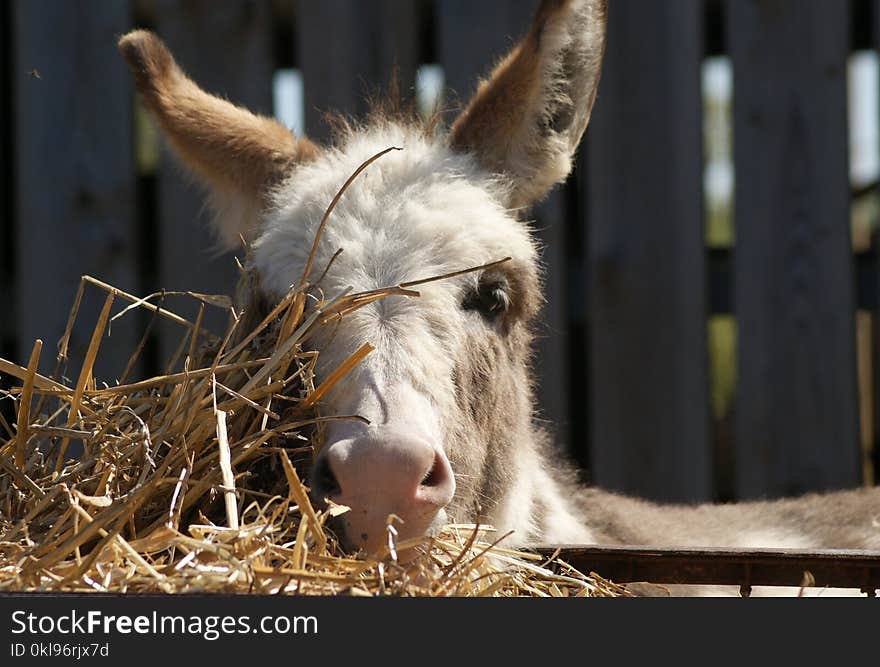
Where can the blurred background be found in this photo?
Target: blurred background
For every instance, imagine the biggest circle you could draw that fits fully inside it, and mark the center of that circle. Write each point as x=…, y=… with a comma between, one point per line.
x=712, y=276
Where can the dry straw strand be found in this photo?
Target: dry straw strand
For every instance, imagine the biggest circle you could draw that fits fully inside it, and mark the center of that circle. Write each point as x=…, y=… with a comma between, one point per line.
x=24, y=407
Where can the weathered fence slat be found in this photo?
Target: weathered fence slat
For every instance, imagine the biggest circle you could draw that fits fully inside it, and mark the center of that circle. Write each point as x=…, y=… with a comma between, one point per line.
x=796, y=407
x=74, y=173
x=649, y=414
x=349, y=49
x=227, y=48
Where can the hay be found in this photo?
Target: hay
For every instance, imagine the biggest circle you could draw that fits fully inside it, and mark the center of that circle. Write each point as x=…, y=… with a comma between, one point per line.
x=190, y=482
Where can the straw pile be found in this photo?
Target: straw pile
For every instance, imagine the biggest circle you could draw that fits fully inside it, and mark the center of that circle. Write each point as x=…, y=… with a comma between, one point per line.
x=191, y=481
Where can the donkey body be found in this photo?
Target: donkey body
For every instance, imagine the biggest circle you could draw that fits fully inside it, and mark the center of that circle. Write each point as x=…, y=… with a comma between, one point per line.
x=451, y=433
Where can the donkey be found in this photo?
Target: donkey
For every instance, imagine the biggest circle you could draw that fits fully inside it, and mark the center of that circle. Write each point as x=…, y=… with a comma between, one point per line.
x=451, y=433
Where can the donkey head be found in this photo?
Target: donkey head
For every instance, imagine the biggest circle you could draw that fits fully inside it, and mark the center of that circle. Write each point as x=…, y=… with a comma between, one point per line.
x=447, y=388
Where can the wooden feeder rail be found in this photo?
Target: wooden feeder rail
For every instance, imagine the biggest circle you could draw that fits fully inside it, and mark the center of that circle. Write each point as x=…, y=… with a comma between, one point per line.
x=732, y=567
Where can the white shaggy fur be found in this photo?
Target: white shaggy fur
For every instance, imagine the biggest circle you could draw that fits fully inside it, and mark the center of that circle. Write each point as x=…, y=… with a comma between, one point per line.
x=437, y=206
x=415, y=213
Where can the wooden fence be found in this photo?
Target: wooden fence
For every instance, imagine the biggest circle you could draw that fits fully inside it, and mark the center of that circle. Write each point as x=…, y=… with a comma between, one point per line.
x=625, y=360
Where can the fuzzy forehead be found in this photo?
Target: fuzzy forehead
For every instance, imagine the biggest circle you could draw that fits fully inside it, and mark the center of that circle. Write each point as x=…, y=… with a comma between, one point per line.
x=414, y=213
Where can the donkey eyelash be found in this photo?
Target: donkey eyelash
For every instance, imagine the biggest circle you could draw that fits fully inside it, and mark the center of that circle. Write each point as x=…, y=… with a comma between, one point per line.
x=489, y=297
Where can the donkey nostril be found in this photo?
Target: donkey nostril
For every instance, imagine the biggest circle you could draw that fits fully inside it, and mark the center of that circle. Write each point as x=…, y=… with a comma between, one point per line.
x=324, y=480
x=436, y=475
x=438, y=484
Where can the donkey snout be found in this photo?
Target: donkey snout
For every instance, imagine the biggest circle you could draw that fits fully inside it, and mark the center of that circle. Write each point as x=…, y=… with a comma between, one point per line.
x=377, y=476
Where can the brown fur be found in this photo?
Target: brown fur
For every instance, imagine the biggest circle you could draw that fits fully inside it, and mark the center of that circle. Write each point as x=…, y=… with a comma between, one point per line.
x=532, y=97
x=493, y=390
x=237, y=153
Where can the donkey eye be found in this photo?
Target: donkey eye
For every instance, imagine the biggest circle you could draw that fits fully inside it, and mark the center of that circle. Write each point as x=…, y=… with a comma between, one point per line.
x=489, y=298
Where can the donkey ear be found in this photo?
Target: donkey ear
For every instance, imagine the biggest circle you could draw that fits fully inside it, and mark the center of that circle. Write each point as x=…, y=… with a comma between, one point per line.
x=236, y=153
x=526, y=120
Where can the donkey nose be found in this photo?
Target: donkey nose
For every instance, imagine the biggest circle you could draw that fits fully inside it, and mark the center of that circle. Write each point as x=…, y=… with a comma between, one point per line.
x=404, y=472
x=377, y=476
